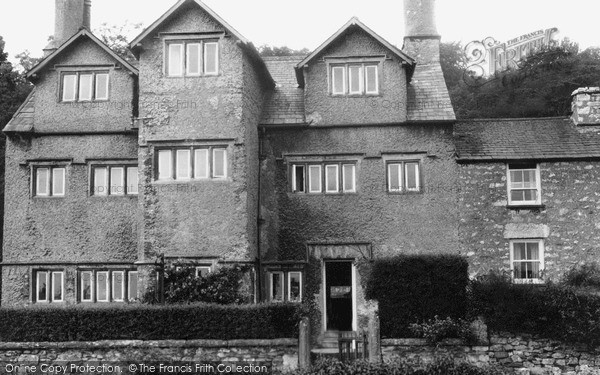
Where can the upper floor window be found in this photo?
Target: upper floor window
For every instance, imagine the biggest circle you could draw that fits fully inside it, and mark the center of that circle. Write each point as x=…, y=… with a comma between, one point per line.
x=49, y=286
x=192, y=163
x=327, y=177
x=49, y=181
x=84, y=86
x=114, y=180
x=354, y=79
x=192, y=58
x=524, y=184
x=403, y=176
x=527, y=260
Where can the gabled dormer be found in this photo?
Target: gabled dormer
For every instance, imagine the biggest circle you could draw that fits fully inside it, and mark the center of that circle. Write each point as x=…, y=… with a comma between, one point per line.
x=193, y=69
x=82, y=86
x=355, y=77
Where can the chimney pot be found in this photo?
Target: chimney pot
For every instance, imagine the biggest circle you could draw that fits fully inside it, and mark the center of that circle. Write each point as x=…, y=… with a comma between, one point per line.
x=419, y=16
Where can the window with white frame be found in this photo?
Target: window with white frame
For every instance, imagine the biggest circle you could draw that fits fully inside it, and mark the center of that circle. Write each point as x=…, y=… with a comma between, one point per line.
x=325, y=177
x=84, y=86
x=192, y=163
x=403, y=176
x=49, y=286
x=527, y=260
x=203, y=271
x=108, y=285
x=354, y=79
x=49, y=181
x=114, y=180
x=285, y=286
x=524, y=187
x=192, y=58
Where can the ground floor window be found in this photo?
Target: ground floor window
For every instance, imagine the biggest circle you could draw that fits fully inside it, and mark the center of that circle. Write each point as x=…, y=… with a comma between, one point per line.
x=49, y=286
x=108, y=285
x=527, y=260
x=285, y=286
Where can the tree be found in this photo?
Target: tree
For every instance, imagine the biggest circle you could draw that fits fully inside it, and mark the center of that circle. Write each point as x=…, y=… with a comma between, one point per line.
x=266, y=50
x=116, y=37
x=541, y=86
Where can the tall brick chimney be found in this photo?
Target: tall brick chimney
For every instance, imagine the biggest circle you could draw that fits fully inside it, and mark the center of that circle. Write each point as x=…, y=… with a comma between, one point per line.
x=422, y=41
x=70, y=17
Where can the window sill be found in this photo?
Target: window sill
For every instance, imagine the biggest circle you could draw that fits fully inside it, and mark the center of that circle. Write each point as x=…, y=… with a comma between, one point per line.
x=192, y=76
x=420, y=192
x=528, y=282
x=51, y=197
x=525, y=206
x=115, y=196
x=322, y=194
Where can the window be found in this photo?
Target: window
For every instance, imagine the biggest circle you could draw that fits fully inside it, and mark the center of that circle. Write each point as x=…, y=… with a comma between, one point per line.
x=114, y=180
x=203, y=271
x=49, y=181
x=328, y=177
x=293, y=290
x=295, y=286
x=527, y=260
x=192, y=58
x=108, y=286
x=192, y=163
x=49, y=286
x=354, y=79
x=403, y=176
x=276, y=284
x=84, y=86
x=524, y=184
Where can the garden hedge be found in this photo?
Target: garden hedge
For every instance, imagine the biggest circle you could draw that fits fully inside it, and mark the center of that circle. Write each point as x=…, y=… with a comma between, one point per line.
x=415, y=288
x=552, y=311
x=144, y=322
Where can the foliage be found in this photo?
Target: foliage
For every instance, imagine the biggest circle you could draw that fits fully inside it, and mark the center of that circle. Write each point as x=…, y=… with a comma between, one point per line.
x=582, y=276
x=415, y=288
x=435, y=330
x=13, y=87
x=146, y=322
x=552, y=311
x=26, y=61
x=116, y=37
x=441, y=366
x=225, y=286
x=542, y=85
x=266, y=50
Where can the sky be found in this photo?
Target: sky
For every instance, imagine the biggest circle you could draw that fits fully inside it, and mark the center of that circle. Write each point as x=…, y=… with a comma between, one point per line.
x=26, y=24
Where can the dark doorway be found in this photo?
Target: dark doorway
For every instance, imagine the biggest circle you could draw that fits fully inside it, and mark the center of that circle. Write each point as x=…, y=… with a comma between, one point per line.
x=338, y=299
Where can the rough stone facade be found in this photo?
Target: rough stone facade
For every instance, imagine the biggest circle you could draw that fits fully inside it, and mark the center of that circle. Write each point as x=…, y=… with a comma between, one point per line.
x=281, y=354
x=566, y=221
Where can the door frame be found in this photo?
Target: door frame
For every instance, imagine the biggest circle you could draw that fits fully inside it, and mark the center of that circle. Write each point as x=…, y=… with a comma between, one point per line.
x=324, y=290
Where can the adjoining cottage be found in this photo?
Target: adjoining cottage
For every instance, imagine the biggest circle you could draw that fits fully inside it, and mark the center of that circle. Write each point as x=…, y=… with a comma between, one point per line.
x=304, y=168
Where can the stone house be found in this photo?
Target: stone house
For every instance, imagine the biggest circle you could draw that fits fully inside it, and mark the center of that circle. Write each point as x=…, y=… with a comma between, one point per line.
x=305, y=168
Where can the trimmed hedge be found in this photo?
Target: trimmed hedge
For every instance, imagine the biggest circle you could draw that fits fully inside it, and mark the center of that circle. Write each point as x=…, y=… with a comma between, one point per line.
x=552, y=311
x=415, y=288
x=143, y=322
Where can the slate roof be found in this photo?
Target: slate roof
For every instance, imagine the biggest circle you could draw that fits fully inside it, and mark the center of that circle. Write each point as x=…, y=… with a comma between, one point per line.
x=428, y=98
x=22, y=120
x=286, y=103
x=522, y=139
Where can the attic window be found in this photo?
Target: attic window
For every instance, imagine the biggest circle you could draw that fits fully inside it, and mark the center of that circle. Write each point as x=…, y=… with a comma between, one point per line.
x=192, y=58
x=354, y=79
x=84, y=86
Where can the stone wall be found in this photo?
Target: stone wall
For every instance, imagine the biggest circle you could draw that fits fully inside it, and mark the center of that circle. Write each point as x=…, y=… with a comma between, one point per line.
x=519, y=354
x=281, y=353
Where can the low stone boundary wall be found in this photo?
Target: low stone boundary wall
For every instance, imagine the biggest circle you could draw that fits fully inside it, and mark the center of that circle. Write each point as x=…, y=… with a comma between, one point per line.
x=523, y=354
x=281, y=353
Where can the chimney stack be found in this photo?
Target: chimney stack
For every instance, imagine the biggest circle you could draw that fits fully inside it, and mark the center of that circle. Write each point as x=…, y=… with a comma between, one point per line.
x=586, y=106
x=70, y=17
x=422, y=40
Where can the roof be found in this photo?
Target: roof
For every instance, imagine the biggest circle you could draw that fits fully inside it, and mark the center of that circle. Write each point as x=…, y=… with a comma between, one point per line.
x=285, y=105
x=22, y=120
x=354, y=22
x=523, y=139
x=156, y=24
x=82, y=33
x=427, y=97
